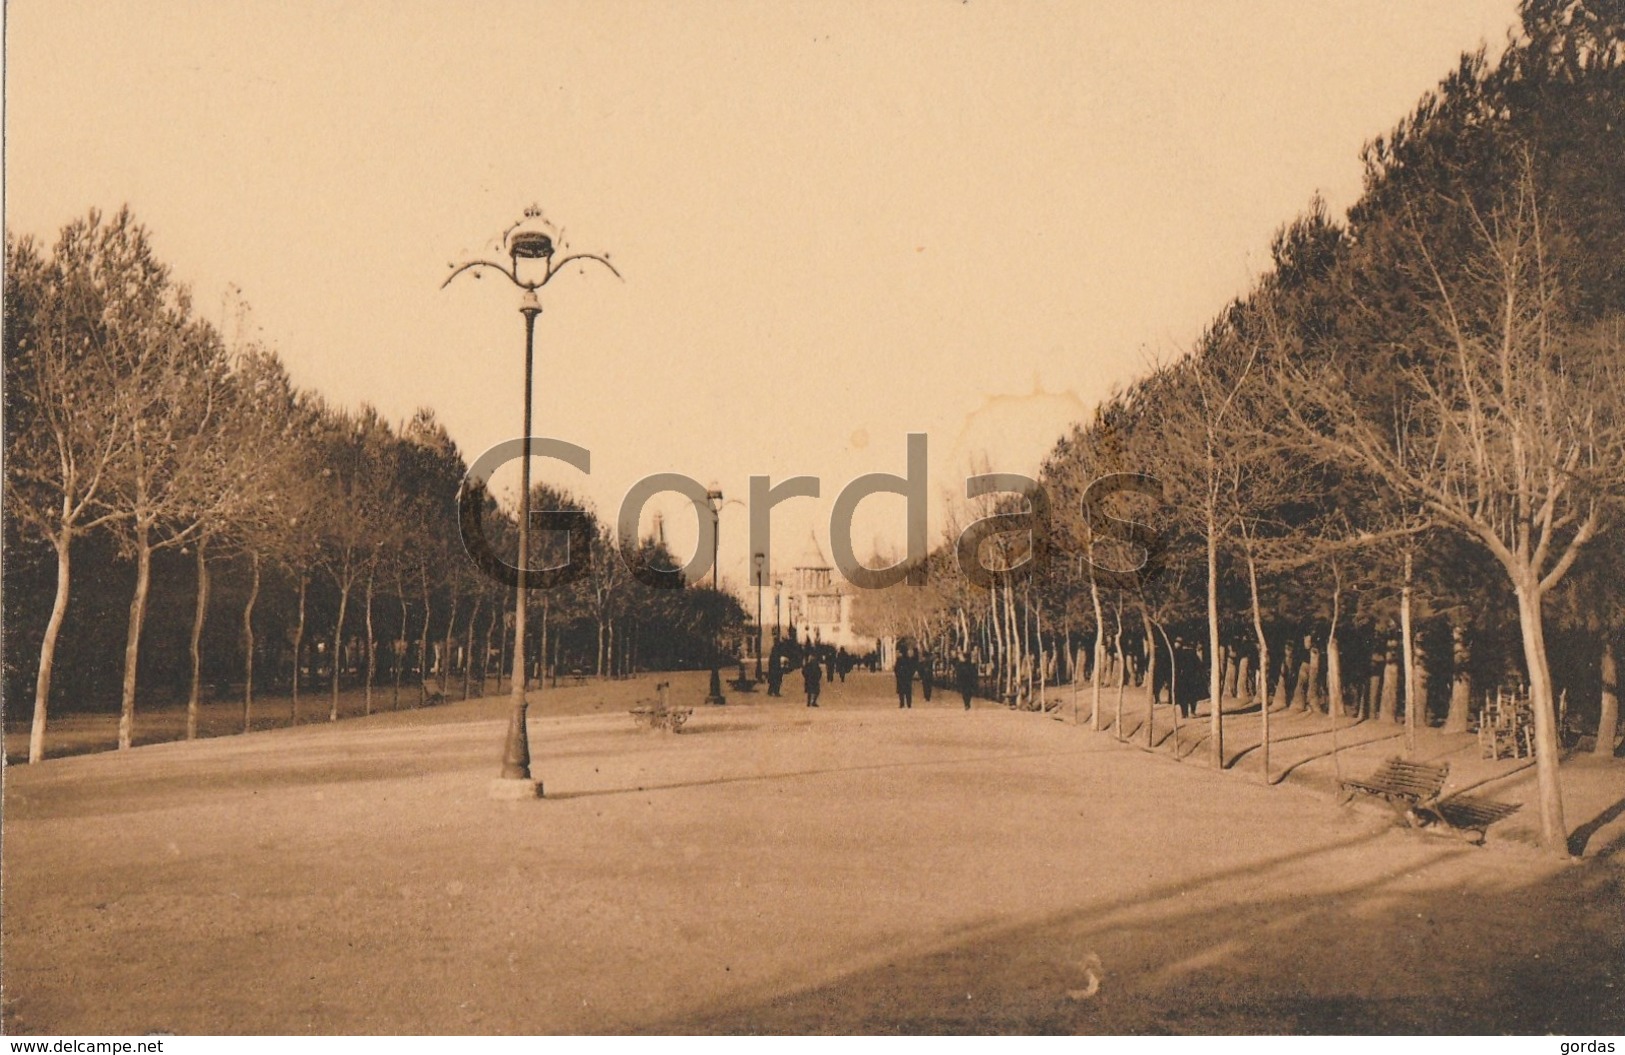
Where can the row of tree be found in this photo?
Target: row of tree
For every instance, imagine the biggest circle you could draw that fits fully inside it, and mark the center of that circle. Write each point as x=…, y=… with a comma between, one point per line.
x=150, y=456
x=1408, y=437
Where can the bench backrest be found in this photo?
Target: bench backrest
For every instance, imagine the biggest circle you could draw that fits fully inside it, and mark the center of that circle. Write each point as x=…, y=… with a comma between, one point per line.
x=1418, y=778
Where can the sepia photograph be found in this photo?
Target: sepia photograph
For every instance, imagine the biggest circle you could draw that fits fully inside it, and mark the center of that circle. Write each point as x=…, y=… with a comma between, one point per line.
x=674, y=518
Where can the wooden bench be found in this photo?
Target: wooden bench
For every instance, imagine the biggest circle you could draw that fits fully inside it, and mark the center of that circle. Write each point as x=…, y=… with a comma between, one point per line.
x=1403, y=785
x=1412, y=790
x=659, y=714
x=656, y=717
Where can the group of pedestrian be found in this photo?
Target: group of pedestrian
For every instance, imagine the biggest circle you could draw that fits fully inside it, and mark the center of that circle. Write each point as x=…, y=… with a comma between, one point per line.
x=911, y=664
x=1184, y=678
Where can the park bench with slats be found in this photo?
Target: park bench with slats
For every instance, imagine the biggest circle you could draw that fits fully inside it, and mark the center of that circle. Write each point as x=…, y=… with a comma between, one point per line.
x=1402, y=785
x=659, y=714
x=1412, y=790
x=657, y=717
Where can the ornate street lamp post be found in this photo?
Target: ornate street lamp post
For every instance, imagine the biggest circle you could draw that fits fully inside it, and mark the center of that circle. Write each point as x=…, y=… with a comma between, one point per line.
x=532, y=239
x=759, y=558
x=713, y=498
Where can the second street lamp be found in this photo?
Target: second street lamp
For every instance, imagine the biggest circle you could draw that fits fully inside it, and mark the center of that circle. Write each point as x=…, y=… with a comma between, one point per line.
x=532, y=239
x=713, y=498
x=760, y=558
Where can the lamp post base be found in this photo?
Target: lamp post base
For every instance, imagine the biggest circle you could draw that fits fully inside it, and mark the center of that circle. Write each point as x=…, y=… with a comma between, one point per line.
x=512, y=790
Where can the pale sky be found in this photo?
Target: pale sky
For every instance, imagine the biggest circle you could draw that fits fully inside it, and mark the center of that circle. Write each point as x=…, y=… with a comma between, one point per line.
x=838, y=222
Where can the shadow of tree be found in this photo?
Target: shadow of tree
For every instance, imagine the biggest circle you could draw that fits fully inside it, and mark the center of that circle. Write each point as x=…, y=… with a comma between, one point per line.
x=1581, y=836
x=1381, y=957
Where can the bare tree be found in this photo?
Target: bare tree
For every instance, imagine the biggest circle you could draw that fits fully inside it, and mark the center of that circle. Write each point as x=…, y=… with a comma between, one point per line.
x=169, y=481
x=1516, y=439
x=63, y=428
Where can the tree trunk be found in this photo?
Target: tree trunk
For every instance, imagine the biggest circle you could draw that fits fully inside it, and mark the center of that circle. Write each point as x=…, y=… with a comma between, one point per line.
x=372, y=648
x=1407, y=631
x=1043, y=656
x=248, y=644
x=1122, y=680
x=1263, y=660
x=1150, y=674
x=400, y=650
x=1099, y=654
x=1071, y=669
x=485, y=652
x=1373, y=694
x=542, y=653
x=1300, y=682
x=63, y=544
x=468, y=649
x=132, y=639
x=338, y=648
x=298, y=647
x=1334, y=654
x=1608, y=720
x=1423, y=684
x=504, y=656
x=1217, y=722
x=485, y=646
x=1461, y=680
x=1016, y=646
x=1316, y=698
x=1553, y=829
x=423, y=646
x=1334, y=674
x=1028, y=642
x=1281, y=697
x=1389, y=700
x=445, y=648
x=195, y=697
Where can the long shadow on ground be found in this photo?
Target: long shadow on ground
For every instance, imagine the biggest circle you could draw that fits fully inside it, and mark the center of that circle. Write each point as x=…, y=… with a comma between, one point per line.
x=1548, y=957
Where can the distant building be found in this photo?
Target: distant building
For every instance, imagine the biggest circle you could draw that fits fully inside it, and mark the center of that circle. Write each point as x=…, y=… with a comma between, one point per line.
x=814, y=605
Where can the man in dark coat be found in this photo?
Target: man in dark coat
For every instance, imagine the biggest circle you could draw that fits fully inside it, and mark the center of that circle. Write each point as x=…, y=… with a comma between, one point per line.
x=1189, y=685
x=905, y=678
x=965, y=675
x=775, y=670
x=812, y=676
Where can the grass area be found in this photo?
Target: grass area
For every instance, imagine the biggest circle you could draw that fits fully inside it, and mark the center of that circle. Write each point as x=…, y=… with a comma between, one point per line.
x=80, y=732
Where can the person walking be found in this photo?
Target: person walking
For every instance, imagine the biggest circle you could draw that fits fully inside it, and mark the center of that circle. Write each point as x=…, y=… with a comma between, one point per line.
x=775, y=671
x=905, y=679
x=927, y=678
x=965, y=676
x=812, y=676
x=1189, y=689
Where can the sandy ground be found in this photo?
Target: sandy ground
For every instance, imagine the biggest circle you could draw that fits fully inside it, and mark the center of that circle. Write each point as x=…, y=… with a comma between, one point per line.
x=851, y=869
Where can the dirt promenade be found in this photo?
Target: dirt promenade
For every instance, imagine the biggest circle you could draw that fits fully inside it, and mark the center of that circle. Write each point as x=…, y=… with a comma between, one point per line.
x=854, y=868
